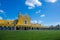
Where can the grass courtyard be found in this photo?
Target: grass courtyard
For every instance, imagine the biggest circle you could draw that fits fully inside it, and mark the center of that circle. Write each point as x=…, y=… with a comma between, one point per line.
x=30, y=35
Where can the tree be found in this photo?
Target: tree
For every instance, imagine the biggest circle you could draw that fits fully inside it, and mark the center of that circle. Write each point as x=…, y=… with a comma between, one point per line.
x=57, y=26
x=51, y=27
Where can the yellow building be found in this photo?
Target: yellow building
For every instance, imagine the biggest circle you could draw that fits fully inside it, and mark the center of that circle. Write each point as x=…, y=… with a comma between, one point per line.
x=23, y=22
x=6, y=23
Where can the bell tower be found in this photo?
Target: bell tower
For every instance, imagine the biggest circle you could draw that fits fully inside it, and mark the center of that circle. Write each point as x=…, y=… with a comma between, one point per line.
x=19, y=15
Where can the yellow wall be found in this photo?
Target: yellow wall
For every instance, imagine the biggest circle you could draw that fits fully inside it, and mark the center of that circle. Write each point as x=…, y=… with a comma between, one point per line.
x=36, y=25
x=21, y=20
x=6, y=23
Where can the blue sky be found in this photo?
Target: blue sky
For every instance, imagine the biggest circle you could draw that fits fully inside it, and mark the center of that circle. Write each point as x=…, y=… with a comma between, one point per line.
x=46, y=12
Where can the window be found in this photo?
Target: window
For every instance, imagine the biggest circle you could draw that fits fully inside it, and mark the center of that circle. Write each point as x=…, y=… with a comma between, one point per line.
x=25, y=22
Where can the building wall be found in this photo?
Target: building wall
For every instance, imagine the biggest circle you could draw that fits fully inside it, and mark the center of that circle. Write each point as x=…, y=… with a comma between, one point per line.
x=20, y=22
x=22, y=19
x=6, y=23
x=36, y=25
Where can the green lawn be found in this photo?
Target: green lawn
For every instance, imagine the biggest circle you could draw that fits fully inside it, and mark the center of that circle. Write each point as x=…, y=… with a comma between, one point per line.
x=30, y=35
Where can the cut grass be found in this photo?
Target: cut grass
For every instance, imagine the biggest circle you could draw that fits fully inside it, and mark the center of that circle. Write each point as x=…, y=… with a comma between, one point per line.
x=30, y=35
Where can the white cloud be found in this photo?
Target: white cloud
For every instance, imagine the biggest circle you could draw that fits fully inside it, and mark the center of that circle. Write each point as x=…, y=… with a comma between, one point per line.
x=32, y=3
x=38, y=12
x=51, y=1
x=43, y=15
x=56, y=23
x=30, y=7
x=1, y=18
x=53, y=23
x=40, y=21
x=36, y=21
x=2, y=11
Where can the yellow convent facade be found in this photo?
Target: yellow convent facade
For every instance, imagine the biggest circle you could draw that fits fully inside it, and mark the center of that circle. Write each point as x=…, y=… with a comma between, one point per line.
x=23, y=22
